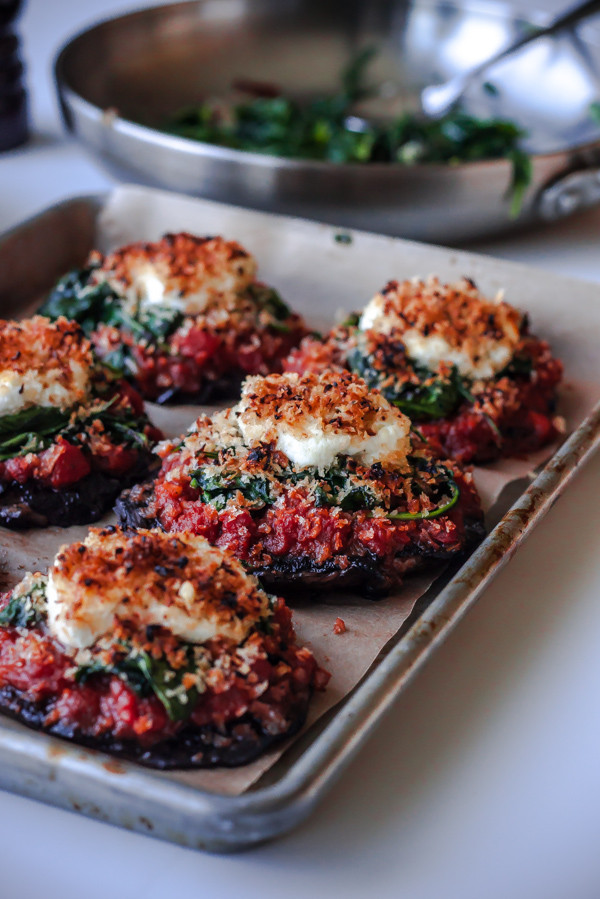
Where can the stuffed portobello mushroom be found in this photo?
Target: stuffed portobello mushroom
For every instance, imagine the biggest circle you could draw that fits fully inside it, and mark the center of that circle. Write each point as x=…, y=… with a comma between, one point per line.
x=311, y=480
x=183, y=318
x=159, y=648
x=72, y=435
x=464, y=368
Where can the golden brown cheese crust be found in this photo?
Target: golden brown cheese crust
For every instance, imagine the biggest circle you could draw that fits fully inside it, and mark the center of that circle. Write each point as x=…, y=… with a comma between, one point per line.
x=187, y=265
x=37, y=344
x=337, y=401
x=457, y=312
x=149, y=577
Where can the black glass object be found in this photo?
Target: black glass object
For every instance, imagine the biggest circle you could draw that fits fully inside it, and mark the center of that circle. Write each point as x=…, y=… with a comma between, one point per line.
x=13, y=98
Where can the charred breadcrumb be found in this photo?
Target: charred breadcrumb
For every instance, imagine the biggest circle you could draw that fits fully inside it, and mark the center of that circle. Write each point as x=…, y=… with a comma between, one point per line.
x=31, y=344
x=334, y=406
x=458, y=313
x=198, y=272
x=465, y=369
x=107, y=650
x=345, y=519
x=38, y=360
x=150, y=577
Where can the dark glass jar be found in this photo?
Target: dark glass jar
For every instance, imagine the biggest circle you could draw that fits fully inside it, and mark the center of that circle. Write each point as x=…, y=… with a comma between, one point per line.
x=13, y=99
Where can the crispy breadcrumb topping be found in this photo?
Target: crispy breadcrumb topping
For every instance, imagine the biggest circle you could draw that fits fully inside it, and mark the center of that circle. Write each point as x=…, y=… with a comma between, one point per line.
x=43, y=363
x=37, y=343
x=344, y=463
x=182, y=270
x=447, y=322
x=334, y=412
x=149, y=578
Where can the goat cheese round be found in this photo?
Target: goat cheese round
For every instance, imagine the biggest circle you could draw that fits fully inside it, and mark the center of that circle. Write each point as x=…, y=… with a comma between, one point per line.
x=178, y=582
x=451, y=323
x=43, y=363
x=315, y=418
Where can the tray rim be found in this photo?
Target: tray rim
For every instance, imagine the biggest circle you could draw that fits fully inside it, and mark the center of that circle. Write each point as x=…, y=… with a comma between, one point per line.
x=224, y=823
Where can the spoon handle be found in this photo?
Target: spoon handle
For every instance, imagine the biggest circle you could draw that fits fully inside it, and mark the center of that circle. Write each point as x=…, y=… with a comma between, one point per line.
x=564, y=20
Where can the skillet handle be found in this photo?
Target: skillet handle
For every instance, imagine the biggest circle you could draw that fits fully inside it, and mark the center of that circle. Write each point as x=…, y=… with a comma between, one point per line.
x=569, y=193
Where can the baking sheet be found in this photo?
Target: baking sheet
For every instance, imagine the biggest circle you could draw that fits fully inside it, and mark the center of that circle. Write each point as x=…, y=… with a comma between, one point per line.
x=318, y=276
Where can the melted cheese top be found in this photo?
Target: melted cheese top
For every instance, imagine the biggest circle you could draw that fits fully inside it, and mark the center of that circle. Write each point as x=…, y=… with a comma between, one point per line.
x=43, y=363
x=180, y=271
x=314, y=418
x=179, y=582
x=450, y=323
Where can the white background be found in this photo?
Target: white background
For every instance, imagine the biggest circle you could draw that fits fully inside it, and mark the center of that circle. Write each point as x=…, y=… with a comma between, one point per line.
x=483, y=782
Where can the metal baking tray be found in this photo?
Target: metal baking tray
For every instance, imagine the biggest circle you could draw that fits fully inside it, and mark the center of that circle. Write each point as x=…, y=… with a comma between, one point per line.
x=42, y=767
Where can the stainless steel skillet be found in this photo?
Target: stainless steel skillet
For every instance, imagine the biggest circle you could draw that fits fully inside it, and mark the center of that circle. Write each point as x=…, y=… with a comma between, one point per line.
x=118, y=81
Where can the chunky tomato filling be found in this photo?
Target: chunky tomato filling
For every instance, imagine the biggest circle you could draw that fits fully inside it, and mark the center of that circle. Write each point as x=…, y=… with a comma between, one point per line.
x=298, y=528
x=115, y=441
x=205, y=322
x=194, y=357
x=470, y=437
x=511, y=417
x=65, y=464
x=279, y=676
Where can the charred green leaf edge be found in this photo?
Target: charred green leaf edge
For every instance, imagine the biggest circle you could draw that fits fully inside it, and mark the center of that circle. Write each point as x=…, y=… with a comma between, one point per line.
x=35, y=429
x=146, y=675
x=332, y=489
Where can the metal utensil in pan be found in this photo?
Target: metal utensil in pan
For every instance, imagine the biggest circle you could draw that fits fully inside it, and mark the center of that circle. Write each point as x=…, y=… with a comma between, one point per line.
x=118, y=82
x=438, y=99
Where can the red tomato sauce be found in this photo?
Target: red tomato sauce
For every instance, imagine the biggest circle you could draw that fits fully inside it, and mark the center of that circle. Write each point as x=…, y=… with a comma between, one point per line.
x=198, y=356
x=64, y=463
x=35, y=665
x=299, y=528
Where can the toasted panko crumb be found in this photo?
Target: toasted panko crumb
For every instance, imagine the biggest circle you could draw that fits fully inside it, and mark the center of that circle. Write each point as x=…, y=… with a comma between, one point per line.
x=458, y=312
x=41, y=344
x=147, y=578
x=457, y=316
x=182, y=269
x=326, y=406
x=43, y=363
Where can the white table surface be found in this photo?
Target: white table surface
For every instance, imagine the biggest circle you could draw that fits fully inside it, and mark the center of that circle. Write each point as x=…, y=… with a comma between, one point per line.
x=484, y=780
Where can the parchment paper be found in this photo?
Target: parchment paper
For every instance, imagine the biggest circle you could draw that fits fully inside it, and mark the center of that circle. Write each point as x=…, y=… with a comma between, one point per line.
x=318, y=276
